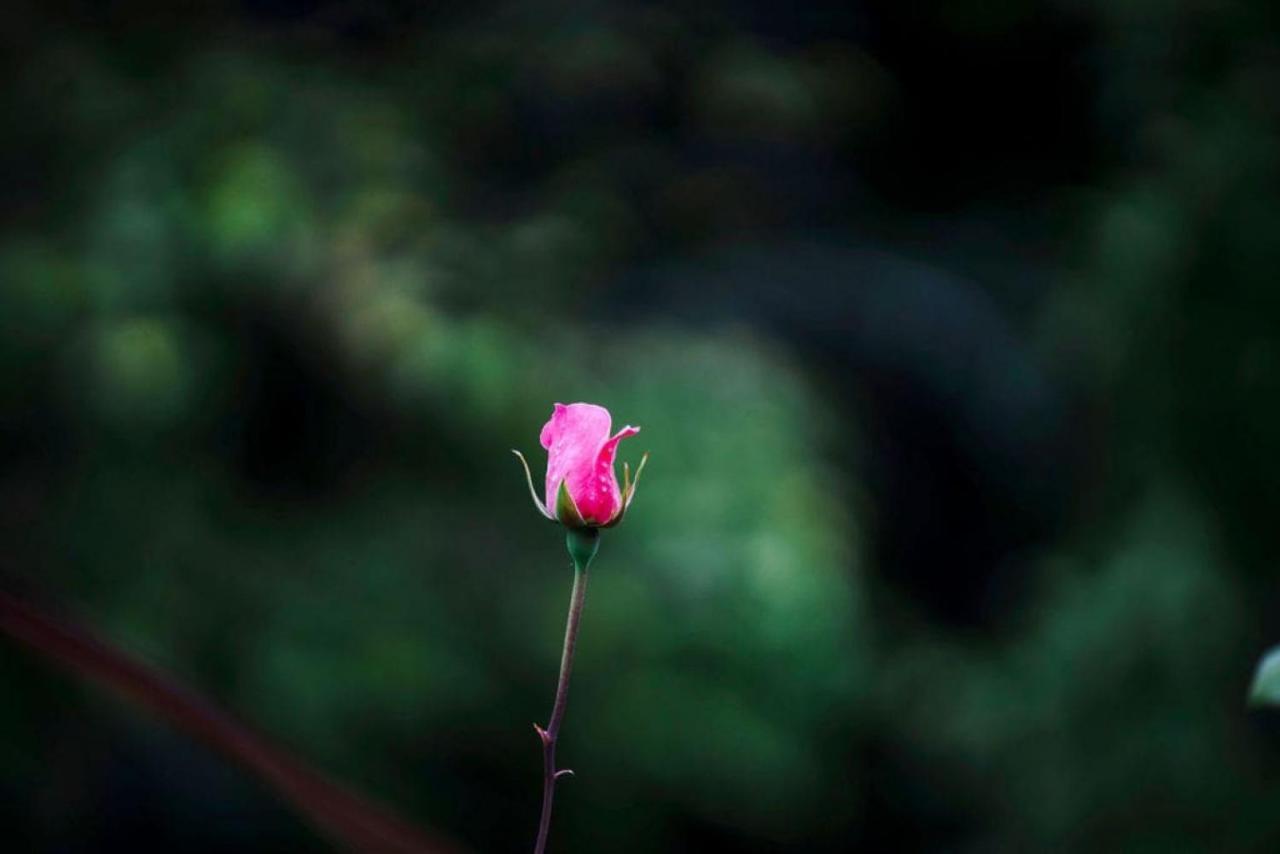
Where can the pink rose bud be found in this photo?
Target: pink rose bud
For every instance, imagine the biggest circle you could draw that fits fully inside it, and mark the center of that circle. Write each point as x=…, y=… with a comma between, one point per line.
x=582, y=490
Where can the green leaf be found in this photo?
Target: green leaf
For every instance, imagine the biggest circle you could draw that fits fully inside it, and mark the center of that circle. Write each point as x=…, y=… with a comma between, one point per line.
x=566, y=510
x=1265, y=690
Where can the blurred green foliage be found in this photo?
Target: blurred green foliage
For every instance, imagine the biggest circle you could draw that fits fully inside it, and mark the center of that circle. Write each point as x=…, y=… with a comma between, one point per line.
x=272, y=314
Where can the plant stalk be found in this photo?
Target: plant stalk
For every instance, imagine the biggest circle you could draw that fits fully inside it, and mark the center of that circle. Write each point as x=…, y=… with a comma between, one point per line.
x=549, y=735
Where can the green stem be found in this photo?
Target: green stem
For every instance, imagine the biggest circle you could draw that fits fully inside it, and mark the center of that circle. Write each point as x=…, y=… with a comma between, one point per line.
x=582, y=547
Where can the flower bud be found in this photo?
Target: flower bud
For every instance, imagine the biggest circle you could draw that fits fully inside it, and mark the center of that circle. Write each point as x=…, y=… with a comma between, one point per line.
x=582, y=489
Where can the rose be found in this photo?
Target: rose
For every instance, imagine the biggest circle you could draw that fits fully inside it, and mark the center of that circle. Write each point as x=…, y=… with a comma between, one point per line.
x=583, y=492
x=582, y=489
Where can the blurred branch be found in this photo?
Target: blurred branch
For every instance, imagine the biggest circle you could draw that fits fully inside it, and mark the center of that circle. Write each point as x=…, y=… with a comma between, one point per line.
x=346, y=818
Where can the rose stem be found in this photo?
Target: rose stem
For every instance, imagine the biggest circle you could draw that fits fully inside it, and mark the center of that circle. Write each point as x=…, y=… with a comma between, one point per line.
x=581, y=560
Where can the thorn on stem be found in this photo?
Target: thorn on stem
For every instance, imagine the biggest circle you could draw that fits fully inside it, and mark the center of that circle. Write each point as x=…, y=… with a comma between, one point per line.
x=564, y=772
x=542, y=734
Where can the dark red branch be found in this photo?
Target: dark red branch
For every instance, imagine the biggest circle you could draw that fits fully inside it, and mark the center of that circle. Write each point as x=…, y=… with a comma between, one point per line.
x=348, y=819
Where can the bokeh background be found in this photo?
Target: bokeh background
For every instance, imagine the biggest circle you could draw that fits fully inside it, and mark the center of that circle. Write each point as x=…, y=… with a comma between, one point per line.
x=953, y=330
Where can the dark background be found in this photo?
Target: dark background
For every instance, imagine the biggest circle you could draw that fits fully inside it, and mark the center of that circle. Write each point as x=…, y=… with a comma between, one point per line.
x=952, y=329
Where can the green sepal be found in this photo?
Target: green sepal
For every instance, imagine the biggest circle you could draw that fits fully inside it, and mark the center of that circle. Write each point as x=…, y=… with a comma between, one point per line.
x=533, y=493
x=631, y=486
x=628, y=489
x=566, y=511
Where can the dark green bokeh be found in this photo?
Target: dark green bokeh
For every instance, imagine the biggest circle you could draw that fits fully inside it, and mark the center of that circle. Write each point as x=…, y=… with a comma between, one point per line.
x=953, y=338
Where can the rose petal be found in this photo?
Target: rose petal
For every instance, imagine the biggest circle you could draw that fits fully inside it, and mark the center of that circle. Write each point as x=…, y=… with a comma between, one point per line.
x=573, y=438
x=580, y=454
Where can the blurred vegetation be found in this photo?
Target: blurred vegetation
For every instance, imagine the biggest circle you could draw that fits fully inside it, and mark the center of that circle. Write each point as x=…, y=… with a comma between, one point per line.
x=952, y=333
